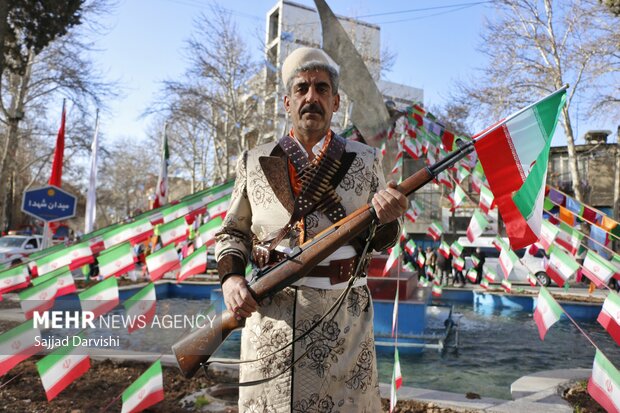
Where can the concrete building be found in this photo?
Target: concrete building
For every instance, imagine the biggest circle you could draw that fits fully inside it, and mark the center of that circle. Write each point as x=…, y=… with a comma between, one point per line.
x=597, y=161
x=291, y=25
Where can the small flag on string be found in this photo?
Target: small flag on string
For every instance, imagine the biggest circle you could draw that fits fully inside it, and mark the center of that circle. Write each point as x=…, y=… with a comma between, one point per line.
x=140, y=308
x=100, y=298
x=561, y=266
x=18, y=344
x=397, y=381
x=547, y=312
x=456, y=249
x=598, y=269
x=193, y=264
x=604, y=383
x=39, y=298
x=60, y=368
x=609, y=317
x=435, y=230
x=458, y=263
x=444, y=249
x=476, y=226
x=507, y=286
x=507, y=261
x=395, y=313
x=117, y=260
x=392, y=260
x=437, y=290
x=146, y=391
x=162, y=261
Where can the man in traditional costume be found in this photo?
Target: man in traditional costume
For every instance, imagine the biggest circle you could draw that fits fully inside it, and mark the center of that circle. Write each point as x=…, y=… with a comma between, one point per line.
x=285, y=193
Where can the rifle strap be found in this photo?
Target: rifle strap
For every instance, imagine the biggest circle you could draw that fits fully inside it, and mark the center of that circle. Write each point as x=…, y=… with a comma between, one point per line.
x=335, y=307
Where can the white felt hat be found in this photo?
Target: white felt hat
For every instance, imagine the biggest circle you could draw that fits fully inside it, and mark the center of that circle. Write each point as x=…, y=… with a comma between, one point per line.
x=303, y=56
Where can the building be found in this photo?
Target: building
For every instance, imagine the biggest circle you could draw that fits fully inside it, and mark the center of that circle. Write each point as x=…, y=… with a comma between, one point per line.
x=597, y=161
x=291, y=25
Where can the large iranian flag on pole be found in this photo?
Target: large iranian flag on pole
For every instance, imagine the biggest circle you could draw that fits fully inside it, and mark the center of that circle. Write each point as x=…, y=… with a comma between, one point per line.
x=598, y=269
x=146, y=391
x=548, y=232
x=609, y=317
x=561, y=266
x=38, y=298
x=100, y=298
x=14, y=278
x=206, y=232
x=60, y=368
x=547, y=312
x=162, y=261
x=193, y=264
x=477, y=225
x=17, y=344
x=116, y=261
x=604, y=383
x=140, y=308
x=514, y=155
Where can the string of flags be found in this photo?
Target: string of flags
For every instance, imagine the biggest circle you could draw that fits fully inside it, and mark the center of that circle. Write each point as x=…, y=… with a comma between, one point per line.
x=112, y=248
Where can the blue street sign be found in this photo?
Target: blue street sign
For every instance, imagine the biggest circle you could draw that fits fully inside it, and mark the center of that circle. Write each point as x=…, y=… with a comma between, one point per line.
x=49, y=203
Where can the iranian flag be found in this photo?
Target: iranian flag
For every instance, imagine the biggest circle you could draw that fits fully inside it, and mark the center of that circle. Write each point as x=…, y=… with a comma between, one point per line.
x=162, y=261
x=532, y=280
x=458, y=263
x=146, y=391
x=604, y=383
x=423, y=281
x=548, y=232
x=476, y=226
x=409, y=267
x=16, y=345
x=411, y=216
x=397, y=381
x=101, y=297
x=421, y=259
x=116, y=261
x=457, y=197
x=134, y=232
x=410, y=247
x=193, y=264
x=561, y=266
x=64, y=281
x=547, y=312
x=413, y=148
x=456, y=249
x=14, y=278
x=489, y=274
x=38, y=298
x=140, y=308
x=53, y=261
x=436, y=291
x=569, y=238
x=500, y=244
x=80, y=255
x=443, y=177
x=461, y=174
x=444, y=249
x=475, y=260
x=219, y=191
x=486, y=199
x=206, y=232
x=514, y=155
x=507, y=286
x=609, y=317
x=435, y=230
x=60, y=368
x=173, y=232
x=176, y=211
x=392, y=260
x=507, y=261
x=395, y=313
x=219, y=207
x=472, y=274
x=399, y=164
x=484, y=284
x=598, y=269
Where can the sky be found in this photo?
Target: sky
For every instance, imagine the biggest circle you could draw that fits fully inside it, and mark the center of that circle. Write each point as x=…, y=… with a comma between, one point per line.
x=145, y=45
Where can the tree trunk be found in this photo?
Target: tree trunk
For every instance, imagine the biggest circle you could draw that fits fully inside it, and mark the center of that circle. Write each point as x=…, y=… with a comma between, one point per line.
x=617, y=180
x=572, y=155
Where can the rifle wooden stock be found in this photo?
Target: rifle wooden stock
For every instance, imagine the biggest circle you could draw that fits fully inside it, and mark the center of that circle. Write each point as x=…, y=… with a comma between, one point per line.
x=197, y=347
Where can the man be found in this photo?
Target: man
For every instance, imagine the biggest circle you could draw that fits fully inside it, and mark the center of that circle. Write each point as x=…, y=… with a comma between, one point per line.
x=331, y=366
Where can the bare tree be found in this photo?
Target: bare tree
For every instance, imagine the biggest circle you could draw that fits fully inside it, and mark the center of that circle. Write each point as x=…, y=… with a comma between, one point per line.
x=36, y=76
x=535, y=47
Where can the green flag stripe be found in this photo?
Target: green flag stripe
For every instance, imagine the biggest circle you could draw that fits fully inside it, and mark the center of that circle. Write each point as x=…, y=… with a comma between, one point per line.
x=16, y=331
x=54, y=357
x=114, y=253
x=140, y=295
x=151, y=372
x=111, y=282
x=48, y=276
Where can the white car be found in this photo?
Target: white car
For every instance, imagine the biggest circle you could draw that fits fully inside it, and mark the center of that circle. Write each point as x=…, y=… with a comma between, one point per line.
x=527, y=263
x=16, y=248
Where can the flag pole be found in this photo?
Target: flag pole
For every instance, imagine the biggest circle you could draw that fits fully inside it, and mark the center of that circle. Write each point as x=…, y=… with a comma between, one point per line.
x=91, y=197
x=514, y=115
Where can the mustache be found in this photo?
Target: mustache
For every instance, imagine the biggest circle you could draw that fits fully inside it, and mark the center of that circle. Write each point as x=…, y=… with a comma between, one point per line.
x=311, y=108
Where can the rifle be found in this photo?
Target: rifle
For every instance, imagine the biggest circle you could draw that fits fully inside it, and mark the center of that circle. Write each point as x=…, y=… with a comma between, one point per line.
x=196, y=348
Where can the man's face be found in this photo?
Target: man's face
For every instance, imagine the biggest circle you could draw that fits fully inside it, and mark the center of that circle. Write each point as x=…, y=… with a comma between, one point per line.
x=312, y=102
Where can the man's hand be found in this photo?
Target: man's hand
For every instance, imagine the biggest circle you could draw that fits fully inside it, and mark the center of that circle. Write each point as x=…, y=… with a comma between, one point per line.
x=237, y=297
x=389, y=203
